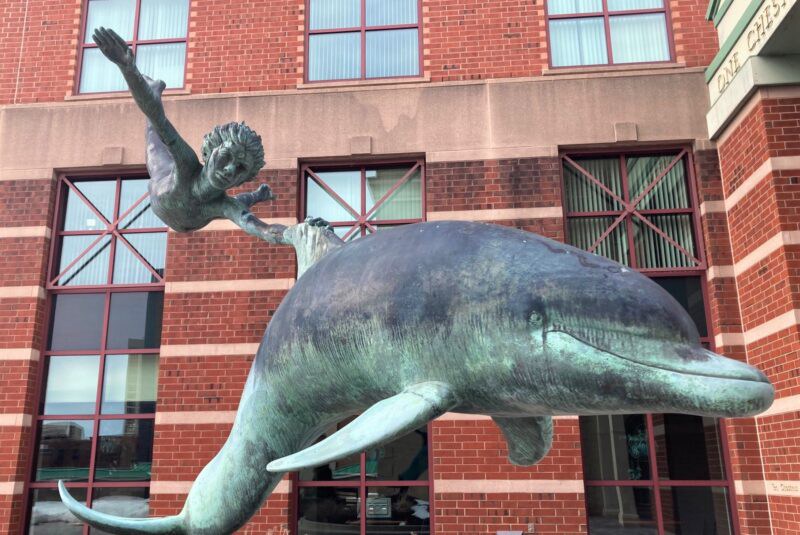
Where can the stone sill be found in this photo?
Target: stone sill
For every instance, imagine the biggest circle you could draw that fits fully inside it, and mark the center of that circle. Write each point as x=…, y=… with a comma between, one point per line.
x=349, y=84
x=615, y=70
x=119, y=95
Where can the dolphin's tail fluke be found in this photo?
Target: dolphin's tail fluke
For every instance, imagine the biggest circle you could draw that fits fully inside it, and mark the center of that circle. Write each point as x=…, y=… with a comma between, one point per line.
x=170, y=525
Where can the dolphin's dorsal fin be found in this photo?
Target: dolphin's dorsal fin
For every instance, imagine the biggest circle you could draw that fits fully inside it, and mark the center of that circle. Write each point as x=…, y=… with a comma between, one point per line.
x=383, y=422
x=529, y=438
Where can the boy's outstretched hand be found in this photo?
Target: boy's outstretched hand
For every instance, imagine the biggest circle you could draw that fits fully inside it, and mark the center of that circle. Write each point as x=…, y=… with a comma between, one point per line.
x=113, y=47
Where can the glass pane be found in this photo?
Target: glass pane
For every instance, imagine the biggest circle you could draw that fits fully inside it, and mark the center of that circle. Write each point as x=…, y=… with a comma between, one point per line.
x=689, y=293
x=392, y=53
x=584, y=194
x=162, y=62
x=49, y=516
x=124, y=450
x=578, y=42
x=615, y=510
x=77, y=321
x=78, y=214
x=567, y=7
x=163, y=19
x=398, y=510
x=628, y=5
x=405, y=459
x=669, y=192
x=71, y=385
x=655, y=251
x=615, y=447
x=142, y=216
x=128, y=269
x=91, y=268
x=703, y=460
x=584, y=231
x=65, y=448
x=328, y=511
x=342, y=231
x=346, y=184
x=98, y=75
x=122, y=502
x=404, y=203
x=390, y=12
x=334, y=56
x=101, y=193
x=129, y=384
x=327, y=14
x=639, y=38
x=690, y=510
x=115, y=14
x=347, y=468
x=135, y=320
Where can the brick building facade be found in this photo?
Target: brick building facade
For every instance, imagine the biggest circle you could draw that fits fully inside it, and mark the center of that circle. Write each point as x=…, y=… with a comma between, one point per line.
x=507, y=121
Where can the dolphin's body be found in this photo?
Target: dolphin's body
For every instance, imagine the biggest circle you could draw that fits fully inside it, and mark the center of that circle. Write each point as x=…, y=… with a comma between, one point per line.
x=415, y=321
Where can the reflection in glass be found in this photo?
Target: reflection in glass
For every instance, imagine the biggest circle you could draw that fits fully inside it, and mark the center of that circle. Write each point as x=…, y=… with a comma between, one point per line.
x=71, y=385
x=162, y=62
x=128, y=269
x=91, y=268
x=142, y=215
x=690, y=510
x=65, y=448
x=77, y=321
x=49, y=516
x=578, y=42
x=163, y=19
x=347, y=468
x=615, y=447
x=135, y=320
x=392, y=53
x=346, y=184
x=391, y=12
x=327, y=510
x=689, y=293
x=125, y=502
x=405, y=459
x=404, y=203
x=334, y=56
x=115, y=14
x=398, y=510
x=621, y=510
x=669, y=192
x=703, y=460
x=124, y=450
x=129, y=385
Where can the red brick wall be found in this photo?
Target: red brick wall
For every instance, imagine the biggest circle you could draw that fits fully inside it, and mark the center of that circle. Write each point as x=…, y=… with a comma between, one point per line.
x=696, y=41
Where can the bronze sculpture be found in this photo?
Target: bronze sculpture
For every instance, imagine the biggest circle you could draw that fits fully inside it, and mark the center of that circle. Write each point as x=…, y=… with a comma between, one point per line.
x=409, y=323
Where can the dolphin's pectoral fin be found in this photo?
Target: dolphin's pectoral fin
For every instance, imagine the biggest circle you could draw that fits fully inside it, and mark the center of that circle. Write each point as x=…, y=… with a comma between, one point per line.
x=383, y=422
x=529, y=439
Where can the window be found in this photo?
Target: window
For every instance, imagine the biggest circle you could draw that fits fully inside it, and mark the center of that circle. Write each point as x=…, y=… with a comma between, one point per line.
x=361, y=39
x=649, y=473
x=600, y=32
x=94, y=424
x=393, y=481
x=359, y=200
x=155, y=30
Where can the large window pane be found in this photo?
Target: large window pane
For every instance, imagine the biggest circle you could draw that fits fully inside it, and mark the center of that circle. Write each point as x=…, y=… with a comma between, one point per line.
x=163, y=62
x=585, y=231
x=578, y=42
x=124, y=450
x=582, y=194
x=334, y=56
x=568, y=7
x=621, y=510
x=128, y=269
x=690, y=510
x=328, y=14
x=78, y=214
x=76, y=322
x=346, y=184
x=163, y=19
x=404, y=203
x=653, y=250
x=669, y=192
x=142, y=215
x=639, y=38
x=124, y=502
x=328, y=510
x=392, y=53
x=71, y=385
x=98, y=75
x=91, y=268
x=703, y=460
x=65, y=448
x=615, y=447
x=398, y=510
x=391, y=12
x=135, y=320
x=129, y=385
x=115, y=14
x=49, y=515
x=100, y=193
x=688, y=291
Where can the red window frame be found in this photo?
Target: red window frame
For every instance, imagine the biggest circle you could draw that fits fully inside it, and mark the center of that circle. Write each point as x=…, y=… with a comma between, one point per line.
x=684, y=156
x=361, y=221
x=606, y=15
x=65, y=183
x=134, y=43
x=363, y=29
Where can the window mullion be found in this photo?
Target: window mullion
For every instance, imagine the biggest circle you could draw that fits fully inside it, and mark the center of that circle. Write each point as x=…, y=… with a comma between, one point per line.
x=136, y=25
x=654, y=473
x=623, y=169
x=363, y=45
x=607, y=23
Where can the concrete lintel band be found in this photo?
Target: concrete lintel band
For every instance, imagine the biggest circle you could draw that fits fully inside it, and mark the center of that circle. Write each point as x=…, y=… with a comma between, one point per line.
x=781, y=239
x=777, y=163
x=11, y=488
x=7, y=292
x=224, y=224
x=25, y=232
x=19, y=353
x=768, y=488
x=782, y=406
x=499, y=214
x=241, y=285
x=491, y=486
x=208, y=350
x=777, y=324
x=720, y=272
x=15, y=420
x=182, y=487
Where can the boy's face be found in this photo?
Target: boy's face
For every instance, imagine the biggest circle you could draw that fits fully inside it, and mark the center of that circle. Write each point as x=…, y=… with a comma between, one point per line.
x=227, y=167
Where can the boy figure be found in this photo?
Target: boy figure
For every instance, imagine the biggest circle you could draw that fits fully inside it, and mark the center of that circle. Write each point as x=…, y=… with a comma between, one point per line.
x=186, y=194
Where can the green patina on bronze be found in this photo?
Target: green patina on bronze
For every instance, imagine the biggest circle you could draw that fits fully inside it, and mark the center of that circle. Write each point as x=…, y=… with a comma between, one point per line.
x=409, y=323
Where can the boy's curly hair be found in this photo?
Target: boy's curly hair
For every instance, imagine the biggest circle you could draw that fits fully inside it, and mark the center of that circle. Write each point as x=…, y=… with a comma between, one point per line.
x=240, y=134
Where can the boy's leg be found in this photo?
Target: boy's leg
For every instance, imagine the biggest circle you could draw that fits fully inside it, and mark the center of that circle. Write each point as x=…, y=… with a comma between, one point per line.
x=159, y=159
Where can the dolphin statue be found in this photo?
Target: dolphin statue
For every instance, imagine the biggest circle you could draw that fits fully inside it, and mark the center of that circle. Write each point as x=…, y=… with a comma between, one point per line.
x=412, y=322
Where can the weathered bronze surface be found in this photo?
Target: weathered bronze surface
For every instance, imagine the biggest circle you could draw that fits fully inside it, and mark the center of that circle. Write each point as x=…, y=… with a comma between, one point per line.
x=412, y=322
